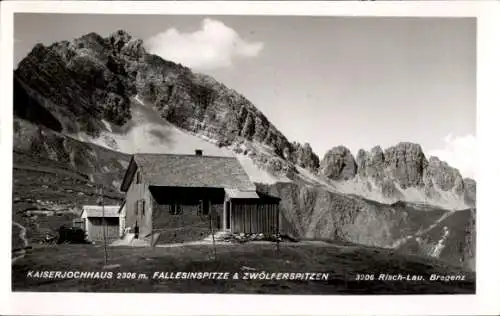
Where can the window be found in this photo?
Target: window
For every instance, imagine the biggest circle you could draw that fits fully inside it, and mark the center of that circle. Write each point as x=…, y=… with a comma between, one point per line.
x=140, y=207
x=143, y=206
x=227, y=209
x=175, y=209
x=138, y=177
x=206, y=207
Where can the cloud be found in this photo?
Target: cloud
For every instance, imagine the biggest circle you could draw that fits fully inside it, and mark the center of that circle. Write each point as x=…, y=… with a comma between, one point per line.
x=214, y=45
x=459, y=152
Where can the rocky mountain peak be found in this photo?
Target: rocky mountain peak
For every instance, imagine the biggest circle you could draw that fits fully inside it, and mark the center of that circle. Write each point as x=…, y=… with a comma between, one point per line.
x=339, y=164
x=91, y=38
x=120, y=35
x=361, y=160
x=377, y=153
x=79, y=82
x=406, y=163
x=443, y=176
x=118, y=40
x=304, y=156
x=134, y=49
x=371, y=164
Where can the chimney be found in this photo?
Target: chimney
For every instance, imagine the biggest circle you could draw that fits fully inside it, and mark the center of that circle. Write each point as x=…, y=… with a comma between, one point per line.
x=198, y=152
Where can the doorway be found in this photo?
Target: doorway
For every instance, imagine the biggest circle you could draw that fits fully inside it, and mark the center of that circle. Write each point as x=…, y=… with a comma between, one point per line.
x=227, y=215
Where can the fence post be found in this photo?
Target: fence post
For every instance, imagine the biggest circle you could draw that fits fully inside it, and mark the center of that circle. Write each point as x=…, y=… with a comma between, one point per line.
x=103, y=221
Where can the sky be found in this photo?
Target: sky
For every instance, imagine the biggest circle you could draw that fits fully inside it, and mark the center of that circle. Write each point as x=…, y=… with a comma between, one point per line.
x=352, y=81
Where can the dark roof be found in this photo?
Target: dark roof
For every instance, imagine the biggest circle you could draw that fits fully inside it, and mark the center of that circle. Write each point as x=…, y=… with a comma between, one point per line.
x=193, y=171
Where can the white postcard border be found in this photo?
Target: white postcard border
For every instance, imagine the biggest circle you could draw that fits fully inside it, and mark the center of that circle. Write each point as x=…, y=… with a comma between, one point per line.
x=488, y=120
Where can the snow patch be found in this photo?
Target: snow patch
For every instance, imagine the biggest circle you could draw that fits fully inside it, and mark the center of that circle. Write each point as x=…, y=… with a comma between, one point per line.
x=256, y=173
x=148, y=132
x=315, y=179
x=402, y=241
x=107, y=125
x=138, y=100
x=364, y=187
x=440, y=245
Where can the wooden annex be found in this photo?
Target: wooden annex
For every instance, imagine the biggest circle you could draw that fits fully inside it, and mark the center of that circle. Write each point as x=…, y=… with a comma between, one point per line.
x=177, y=198
x=98, y=223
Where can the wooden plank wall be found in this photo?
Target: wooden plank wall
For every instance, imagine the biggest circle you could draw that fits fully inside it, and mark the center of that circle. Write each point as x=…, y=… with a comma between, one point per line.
x=254, y=218
x=96, y=229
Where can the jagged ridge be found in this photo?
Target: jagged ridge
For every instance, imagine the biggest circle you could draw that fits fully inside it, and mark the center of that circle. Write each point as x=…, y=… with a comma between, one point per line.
x=399, y=172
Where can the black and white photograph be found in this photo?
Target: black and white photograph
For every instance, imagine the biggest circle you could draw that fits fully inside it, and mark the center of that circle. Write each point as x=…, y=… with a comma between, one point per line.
x=244, y=154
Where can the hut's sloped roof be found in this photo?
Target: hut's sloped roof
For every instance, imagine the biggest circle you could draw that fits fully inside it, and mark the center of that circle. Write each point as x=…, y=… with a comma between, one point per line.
x=96, y=211
x=237, y=194
x=193, y=171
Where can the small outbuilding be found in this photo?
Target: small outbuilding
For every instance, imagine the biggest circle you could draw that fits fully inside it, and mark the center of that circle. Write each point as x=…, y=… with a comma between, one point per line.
x=100, y=221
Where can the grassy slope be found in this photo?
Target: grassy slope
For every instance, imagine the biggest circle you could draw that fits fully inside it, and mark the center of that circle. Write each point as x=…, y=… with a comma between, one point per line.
x=43, y=184
x=65, y=153
x=342, y=262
